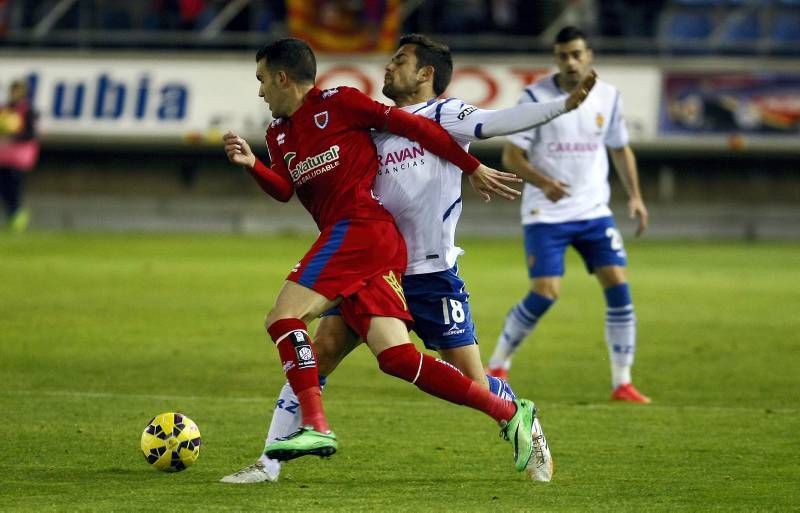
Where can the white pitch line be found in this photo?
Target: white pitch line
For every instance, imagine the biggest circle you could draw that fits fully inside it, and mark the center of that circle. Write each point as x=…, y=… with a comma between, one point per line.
x=594, y=406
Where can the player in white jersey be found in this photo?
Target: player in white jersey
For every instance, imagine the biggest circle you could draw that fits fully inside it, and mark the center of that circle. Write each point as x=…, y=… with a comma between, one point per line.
x=423, y=193
x=565, y=202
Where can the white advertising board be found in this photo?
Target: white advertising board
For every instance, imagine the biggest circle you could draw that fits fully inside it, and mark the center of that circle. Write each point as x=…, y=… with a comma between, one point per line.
x=173, y=100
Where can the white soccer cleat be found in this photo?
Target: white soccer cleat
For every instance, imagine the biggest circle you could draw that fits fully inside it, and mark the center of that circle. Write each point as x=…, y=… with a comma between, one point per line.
x=255, y=473
x=541, y=466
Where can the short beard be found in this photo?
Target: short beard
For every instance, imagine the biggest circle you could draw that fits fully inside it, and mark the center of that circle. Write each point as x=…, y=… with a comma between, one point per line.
x=389, y=92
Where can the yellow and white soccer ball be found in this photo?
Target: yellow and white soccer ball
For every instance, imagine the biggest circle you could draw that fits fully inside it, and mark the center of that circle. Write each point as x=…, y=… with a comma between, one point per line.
x=10, y=122
x=171, y=442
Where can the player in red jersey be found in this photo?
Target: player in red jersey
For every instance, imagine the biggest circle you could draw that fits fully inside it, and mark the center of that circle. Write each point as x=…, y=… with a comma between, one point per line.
x=320, y=147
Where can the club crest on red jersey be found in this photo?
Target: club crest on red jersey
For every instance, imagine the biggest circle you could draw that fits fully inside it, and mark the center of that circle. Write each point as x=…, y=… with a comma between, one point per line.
x=321, y=119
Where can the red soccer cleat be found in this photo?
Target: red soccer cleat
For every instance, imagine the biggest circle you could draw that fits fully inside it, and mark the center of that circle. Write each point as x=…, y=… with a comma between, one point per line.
x=629, y=393
x=498, y=372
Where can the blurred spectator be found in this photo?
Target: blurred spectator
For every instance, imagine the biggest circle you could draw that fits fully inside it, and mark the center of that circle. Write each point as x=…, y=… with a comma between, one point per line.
x=267, y=12
x=5, y=9
x=346, y=25
x=504, y=13
x=109, y=14
x=464, y=16
x=629, y=18
x=19, y=152
x=532, y=18
x=177, y=14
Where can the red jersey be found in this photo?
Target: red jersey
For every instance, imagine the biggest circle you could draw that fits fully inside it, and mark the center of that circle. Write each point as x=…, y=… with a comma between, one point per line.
x=324, y=152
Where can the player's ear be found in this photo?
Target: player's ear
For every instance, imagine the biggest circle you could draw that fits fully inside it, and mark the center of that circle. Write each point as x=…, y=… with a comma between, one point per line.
x=426, y=73
x=281, y=78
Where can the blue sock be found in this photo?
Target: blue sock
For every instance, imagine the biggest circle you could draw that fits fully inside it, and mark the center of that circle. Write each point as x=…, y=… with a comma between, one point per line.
x=520, y=321
x=500, y=388
x=537, y=304
x=618, y=295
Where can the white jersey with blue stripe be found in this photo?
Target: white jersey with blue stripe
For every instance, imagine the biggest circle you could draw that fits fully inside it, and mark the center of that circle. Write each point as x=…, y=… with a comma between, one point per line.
x=572, y=149
x=423, y=191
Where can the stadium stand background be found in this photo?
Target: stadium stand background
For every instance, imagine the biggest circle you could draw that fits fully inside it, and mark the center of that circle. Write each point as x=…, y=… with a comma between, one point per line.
x=731, y=171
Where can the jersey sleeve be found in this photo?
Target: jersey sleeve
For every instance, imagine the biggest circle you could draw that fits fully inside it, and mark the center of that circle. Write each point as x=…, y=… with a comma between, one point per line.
x=273, y=179
x=525, y=138
x=617, y=134
x=459, y=119
x=469, y=123
x=365, y=113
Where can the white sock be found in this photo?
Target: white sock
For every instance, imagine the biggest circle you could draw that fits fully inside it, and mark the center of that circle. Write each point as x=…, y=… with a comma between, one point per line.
x=620, y=374
x=286, y=416
x=286, y=419
x=273, y=467
x=621, y=341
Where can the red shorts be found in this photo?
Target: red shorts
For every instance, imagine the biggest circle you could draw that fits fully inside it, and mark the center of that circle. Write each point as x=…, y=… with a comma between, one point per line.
x=361, y=261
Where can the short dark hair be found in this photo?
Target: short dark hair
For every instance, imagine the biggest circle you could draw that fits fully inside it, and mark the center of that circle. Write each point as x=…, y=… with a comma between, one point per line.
x=292, y=56
x=570, y=33
x=435, y=54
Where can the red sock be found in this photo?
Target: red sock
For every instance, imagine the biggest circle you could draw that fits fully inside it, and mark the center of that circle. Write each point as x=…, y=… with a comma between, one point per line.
x=442, y=380
x=300, y=366
x=482, y=399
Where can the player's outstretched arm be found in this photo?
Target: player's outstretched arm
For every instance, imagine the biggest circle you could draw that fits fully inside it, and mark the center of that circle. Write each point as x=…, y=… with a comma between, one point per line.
x=238, y=151
x=487, y=182
x=483, y=124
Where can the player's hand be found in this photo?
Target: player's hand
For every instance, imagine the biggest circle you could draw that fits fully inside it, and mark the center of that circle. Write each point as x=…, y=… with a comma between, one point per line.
x=555, y=190
x=487, y=182
x=636, y=208
x=238, y=150
x=581, y=91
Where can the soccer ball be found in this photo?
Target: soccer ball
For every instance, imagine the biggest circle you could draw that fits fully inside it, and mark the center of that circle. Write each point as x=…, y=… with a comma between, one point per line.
x=171, y=442
x=10, y=122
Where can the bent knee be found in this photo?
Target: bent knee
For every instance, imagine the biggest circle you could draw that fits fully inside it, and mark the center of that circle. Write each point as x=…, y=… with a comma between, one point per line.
x=276, y=315
x=400, y=361
x=270, y=319
x=550, y=291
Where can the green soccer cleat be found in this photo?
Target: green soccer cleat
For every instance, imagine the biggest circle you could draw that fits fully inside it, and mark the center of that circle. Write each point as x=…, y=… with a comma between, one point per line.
x=304, y=442
x=19, y=222
x=518, y=431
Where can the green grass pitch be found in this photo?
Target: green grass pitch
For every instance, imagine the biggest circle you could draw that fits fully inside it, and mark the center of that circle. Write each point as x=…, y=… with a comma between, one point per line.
x=101, y=332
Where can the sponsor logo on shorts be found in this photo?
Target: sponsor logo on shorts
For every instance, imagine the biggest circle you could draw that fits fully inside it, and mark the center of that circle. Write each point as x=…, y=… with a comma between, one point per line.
x=454, y=330
x=394, y=283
